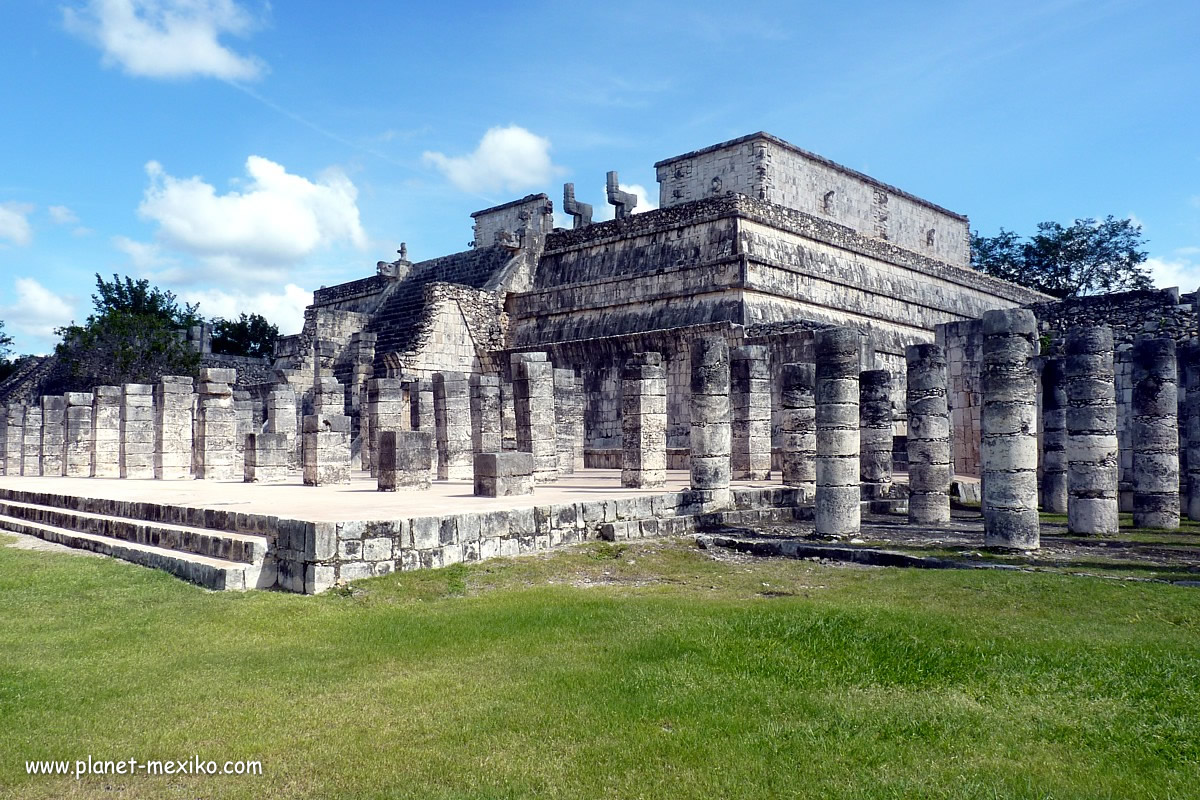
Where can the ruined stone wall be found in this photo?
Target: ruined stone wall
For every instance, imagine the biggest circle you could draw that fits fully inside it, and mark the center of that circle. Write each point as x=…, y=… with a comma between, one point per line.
x=509, y=218
x=459, y=331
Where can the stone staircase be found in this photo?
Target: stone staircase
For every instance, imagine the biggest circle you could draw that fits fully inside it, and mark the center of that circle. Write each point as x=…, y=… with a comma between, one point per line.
x=216, y=559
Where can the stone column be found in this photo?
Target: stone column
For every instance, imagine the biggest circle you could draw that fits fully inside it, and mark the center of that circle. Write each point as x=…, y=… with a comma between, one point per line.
x=508, y=417
x=384, y=412
x=1054, y=436
x=405, y=459
x=217, y=428
x=875, y=432
x=420, y=397
x=77, y=435
x=452, y=414
x=281, y=418
x=3, y=440
x=644, y=422
x=1190, y=425
x=533, y=407
x=838, y=511
x=1009, y=447
x=265, y=458
x=485, y=414
x=31, y=443
x=54, y=409
x=327, y=436
x=799, y=427
x=1091, y=423
x=173, y=428
x=14, y=435
x=929, y=470
x=106, y=432
x=137, y=431
x=1155, y=434
x=750, y=408
x=711, y=437
x=503, y=474
x=243, y=410
x=568, y=419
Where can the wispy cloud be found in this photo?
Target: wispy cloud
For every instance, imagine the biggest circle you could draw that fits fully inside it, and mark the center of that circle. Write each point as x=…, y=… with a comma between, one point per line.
x=14, y=223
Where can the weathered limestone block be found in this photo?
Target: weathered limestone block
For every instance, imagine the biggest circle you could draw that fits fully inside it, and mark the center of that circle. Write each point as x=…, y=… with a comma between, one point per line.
x=404, y=459
x=799, y=427
x=711, y=437
x=106, y=432
x=216, y=433
x=326, y=458
x=838, y=496
x=137, y=431
x=54, y=409
x=929, y=469
x=1009, y=447
x=265, y=458
x=281, y=418
x=452, y=415
x=385, y=412
x=173, y=422
x=77, y=435
x=31, y=443
x=504, y=474
x=644, y=422
x=1091, y=423
x=533, y=407
x=1190, y=425
x=423, y=418
x=243, y=409
x=750, y=406
x=1155, y=434
x=1054, y=436
x=508, y=417
x=14, y=435
x=875, y=432
x=485, y=414
x=568, y=420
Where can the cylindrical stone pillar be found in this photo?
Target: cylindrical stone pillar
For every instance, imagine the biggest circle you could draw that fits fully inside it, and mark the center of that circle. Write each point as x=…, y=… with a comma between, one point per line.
x=1054, y=437
x=644, y=422
x=54, y=411
x=838, y=511
x=485, y=414
x=1091, y=423
x=929, y=470
x=799, y=427
x=77, y=435
x=710, y=427
x=875, y=432
x=750, y=404
x=1190, y=426
x=1155, y=434
x=106, y=432
x=1008, y=450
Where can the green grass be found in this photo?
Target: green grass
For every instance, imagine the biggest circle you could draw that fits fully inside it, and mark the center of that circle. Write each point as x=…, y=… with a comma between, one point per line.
x=641, y=670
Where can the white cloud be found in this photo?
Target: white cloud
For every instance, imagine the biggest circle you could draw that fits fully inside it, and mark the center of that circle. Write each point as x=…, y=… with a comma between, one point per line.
x=507, y=159
x=167, y=38
x=603, y=211
x=61, y=215
x=1179, y=270
x=278, y=219
x=14, y=223
x=284, y=309
x=38, y=311
x=144, y=256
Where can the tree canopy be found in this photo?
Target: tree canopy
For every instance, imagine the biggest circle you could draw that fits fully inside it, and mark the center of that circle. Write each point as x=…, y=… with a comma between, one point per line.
x=1089, y=257
x=248, y=335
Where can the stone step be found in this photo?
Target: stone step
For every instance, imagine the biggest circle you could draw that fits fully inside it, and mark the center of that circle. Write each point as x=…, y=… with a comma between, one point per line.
x=222, y=545
x=211, y=573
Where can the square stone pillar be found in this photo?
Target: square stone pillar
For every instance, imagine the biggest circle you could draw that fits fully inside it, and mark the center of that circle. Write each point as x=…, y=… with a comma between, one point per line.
x=327, y=436
x=644, y=422
x=31, y=441
x=137, y=431
x=3, y=439
x=106, y=432
x=173, y=428
x=533, y=406
x=281, y=418
x=420, y=397
x=486, y=434
x=750, y=404
x=404, y=460
x=54, y=409
x=243, y=410
x=14, y=434
x=385, y=412
x=265, y=458
x=504, y=474
x=452, y=413
x=508, y=417
x=568, y=420
x=77, y=435
x=216, y=432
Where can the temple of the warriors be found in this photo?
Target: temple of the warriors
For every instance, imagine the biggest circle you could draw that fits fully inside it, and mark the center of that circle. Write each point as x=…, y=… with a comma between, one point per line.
x=783, y=338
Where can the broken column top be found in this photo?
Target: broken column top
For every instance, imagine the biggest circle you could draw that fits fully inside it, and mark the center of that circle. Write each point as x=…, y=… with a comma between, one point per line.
x=216, y=375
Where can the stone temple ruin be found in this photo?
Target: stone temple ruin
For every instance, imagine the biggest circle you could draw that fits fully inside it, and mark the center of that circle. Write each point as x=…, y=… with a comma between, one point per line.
x=782, y=338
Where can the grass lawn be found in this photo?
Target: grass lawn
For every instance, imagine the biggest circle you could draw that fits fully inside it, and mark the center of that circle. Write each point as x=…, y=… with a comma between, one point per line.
x=605, y=671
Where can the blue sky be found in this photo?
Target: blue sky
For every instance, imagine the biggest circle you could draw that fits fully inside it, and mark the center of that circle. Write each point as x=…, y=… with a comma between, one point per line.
x=242, y=153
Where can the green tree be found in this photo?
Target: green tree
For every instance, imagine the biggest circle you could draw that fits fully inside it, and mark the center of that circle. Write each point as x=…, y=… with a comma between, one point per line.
x=1089, y=257
x=7, y=365
x=248, y=335
x=134, y=335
